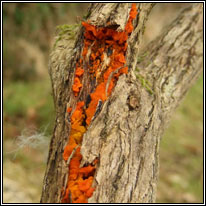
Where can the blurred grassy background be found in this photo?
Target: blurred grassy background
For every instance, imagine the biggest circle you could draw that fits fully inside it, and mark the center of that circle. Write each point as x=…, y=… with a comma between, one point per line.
x=28, y=34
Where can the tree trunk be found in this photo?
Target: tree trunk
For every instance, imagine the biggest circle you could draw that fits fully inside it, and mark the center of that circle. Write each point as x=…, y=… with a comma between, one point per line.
x=125, y=135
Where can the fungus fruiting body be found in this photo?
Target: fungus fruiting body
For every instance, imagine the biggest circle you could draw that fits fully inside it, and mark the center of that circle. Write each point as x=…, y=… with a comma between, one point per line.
x=104, y=56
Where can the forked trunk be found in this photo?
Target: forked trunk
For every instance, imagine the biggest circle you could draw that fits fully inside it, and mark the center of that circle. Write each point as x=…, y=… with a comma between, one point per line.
x=124, y=136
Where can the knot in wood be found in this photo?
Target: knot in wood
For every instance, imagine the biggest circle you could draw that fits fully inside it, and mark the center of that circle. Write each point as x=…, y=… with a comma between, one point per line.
x=133, y=102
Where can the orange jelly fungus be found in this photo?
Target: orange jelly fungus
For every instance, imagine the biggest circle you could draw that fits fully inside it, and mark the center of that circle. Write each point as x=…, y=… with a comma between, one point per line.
x=102, y=41
x=69, y=109
x=76, y=86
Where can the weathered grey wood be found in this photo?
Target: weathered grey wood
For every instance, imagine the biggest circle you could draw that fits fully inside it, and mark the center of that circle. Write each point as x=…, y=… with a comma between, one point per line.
x=126, y=134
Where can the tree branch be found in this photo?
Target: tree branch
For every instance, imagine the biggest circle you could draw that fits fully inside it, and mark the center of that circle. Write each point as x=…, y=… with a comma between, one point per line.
x=130, y=125
x=174, y=60
x=125, y=135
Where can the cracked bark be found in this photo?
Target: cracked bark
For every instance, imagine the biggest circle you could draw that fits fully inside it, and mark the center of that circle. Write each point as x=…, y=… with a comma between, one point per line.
x=125, y=135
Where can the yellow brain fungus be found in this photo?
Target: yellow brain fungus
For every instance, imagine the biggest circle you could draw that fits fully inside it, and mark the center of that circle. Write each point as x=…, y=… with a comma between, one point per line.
x=102, y=41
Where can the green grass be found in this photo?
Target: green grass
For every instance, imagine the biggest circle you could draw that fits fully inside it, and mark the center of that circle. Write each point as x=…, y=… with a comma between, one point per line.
x=29, y=102
x=181, y=151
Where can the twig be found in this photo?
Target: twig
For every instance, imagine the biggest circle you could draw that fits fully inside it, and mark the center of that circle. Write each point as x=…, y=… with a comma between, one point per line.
x=72, y=154
x=110, y=78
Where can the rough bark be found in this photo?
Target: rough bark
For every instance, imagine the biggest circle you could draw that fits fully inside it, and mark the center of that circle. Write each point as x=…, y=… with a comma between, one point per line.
x=125, y=135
